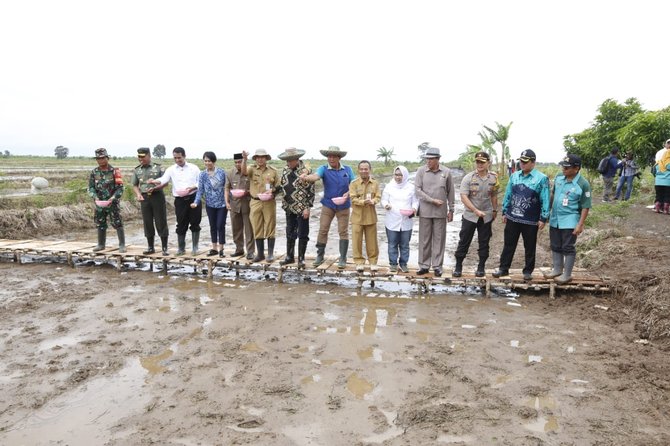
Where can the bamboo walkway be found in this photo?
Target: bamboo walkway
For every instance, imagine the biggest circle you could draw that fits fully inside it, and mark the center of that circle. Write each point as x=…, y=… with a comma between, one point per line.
x=70, y=252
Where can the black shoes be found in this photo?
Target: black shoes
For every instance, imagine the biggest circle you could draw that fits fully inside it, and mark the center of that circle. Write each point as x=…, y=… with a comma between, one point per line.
x=148, y=251
x=437, y=272
x=238, y=253
x=458, y=272
x=222, y=254
x=422, y=271
x=212, y=252
x=480, y=273
x=527, y=276
x=500, y=272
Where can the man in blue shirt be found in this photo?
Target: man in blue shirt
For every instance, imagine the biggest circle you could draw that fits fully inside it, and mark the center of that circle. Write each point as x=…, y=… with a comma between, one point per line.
x=335, y=202
x=525, y=211
x=608, y=176
x=570, y=204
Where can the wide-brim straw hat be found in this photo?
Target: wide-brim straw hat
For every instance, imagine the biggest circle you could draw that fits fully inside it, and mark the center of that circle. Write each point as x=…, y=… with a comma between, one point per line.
x=291, y=154
x=333, y=150
x=261, y=152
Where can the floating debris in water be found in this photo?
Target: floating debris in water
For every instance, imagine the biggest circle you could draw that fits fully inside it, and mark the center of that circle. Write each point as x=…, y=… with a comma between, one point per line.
x=514, y=344
x=534, y=358
x=601, y=307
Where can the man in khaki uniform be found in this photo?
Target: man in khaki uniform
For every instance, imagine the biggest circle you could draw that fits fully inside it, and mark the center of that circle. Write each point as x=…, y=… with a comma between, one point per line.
x=435, y=188
x=365, y=195
x=239, y=209
x=263, y=179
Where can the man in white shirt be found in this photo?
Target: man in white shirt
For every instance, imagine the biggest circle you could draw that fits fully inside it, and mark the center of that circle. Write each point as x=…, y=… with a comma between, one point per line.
x=184, y=177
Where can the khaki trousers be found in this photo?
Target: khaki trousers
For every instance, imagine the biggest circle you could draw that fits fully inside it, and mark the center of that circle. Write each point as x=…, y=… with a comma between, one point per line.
x=371, y=246
x=242, y=230
x=263, y=218
x=327, y=215
x=432, y=240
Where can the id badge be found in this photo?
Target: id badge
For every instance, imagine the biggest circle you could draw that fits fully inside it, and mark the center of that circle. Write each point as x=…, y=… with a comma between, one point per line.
x=565, y=202
x=267, y=187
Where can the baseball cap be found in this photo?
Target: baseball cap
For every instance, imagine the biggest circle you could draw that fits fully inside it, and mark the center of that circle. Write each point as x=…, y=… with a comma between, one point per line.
x=571, y=161
x=527, y=155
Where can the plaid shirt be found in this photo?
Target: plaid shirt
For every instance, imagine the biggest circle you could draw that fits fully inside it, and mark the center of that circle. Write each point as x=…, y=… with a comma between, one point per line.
x=298, y=195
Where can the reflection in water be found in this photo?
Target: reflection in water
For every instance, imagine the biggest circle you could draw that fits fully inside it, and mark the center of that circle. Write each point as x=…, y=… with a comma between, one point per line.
x=358, y=386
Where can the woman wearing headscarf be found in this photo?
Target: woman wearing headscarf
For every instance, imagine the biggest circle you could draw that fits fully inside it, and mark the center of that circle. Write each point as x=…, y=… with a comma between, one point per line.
x=662, y=181
x=401, y=205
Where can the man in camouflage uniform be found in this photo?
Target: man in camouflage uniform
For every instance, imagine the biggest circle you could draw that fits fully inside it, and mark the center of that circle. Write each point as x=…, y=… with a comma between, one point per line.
x=106, y=184
x=152, y=200
x=298, y=199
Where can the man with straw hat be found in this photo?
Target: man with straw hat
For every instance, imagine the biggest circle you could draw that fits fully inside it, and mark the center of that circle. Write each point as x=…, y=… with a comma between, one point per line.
x=336, y=178
x=106, y=184
x=298, y=199
x=264, y=182
x=243, y=233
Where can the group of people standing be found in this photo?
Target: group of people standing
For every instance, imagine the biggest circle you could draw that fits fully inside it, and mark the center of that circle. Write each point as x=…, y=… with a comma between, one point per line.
x=248, y=193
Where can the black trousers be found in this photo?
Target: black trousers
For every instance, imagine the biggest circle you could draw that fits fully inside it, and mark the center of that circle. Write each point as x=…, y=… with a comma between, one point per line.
x=297, y=227
x=512, y=232
x=468, y=229
x=154, y=211
x=186, y=215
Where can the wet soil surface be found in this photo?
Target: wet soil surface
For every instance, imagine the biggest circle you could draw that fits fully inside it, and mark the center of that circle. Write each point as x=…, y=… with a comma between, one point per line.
x=93, y=356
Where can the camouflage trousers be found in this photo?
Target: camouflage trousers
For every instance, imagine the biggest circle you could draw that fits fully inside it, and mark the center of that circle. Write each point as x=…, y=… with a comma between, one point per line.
x=113, y=212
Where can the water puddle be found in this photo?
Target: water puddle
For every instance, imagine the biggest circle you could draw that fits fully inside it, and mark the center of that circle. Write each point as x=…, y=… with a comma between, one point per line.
x=392, y=432
x=371, y=352
x=311, y=379
x=542, y=423
x=87, y=412
x=156, y=364
x=358, y=386
x=445, y=438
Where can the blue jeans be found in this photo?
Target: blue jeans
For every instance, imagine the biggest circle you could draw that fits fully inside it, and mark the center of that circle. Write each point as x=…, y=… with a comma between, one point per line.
x=398, y=241
x=629, y=186
x=217, y=224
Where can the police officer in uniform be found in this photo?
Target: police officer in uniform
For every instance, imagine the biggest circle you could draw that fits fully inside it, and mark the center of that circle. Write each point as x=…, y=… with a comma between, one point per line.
x=106, y=184
x=152, y=200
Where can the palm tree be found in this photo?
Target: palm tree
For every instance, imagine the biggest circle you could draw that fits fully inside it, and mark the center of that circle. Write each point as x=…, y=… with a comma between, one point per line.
x=385, y=154
x=500, y=135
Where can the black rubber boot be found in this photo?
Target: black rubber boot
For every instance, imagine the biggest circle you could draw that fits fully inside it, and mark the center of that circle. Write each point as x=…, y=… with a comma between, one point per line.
x=164, y=246
x=290, y=252
x=302, y=247
x=181, y=244
x=320, y=251
x=481, y=268
x=195, y=238
x=344, y=247
x=150, y=246
x=271, y=250
x=260, y=250
x=120, y=233
x=102, y=238
x=458, y=269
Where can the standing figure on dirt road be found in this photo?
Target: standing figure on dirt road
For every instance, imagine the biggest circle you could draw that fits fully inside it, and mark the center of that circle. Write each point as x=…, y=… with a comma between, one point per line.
x=365, y=195
x=184, y=177
x=435, y=189
x=335, y=202
x=570, y=204
x=211, y=184
x=479, y=194
x=525, y=211
x=264, y=184
x=152, y=200
x=609, y=173
x=662, y=180
x=106, y=184
x=243, y=233
x=297, y=202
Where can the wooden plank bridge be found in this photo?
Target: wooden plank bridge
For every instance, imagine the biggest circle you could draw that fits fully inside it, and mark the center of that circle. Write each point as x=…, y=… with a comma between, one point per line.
x=70, y=252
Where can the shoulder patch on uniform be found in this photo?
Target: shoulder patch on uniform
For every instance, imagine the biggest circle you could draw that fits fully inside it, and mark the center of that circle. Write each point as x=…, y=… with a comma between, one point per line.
x=588, y=194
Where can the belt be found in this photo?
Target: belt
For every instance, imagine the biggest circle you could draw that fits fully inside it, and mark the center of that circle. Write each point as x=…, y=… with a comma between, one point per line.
x=255, y=198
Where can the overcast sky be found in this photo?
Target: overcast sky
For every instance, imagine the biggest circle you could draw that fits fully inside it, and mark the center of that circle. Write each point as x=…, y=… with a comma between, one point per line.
x=226, y=76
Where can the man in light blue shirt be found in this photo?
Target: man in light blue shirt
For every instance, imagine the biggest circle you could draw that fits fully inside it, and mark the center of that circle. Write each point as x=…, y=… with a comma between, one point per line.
x=525, y=211
x=570, y=204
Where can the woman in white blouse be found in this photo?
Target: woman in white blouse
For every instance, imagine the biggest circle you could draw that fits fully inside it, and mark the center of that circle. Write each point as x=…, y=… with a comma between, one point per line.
x=401, y=205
